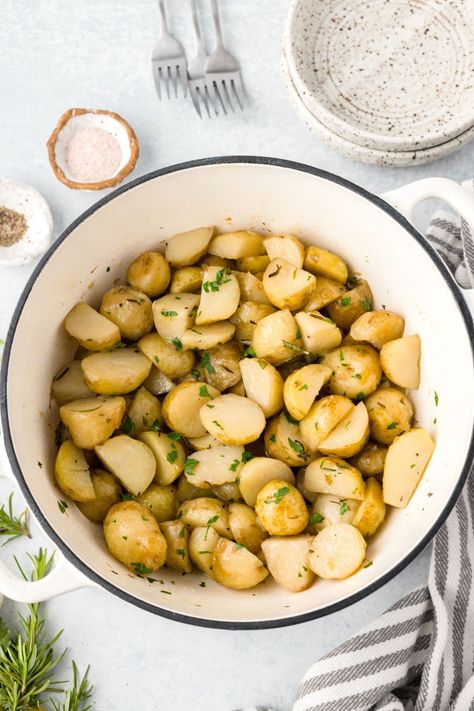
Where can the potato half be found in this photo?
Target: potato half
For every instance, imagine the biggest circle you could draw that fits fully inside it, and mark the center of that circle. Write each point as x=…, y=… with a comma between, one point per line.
x=331, y=475
x=92, y=420
x=214, y=466
x=245, y=527
x=337, y=551
x=233, y=419
x=288, y=247
x=281, y=508
x=246, y=317
x=131, y=461
x=182, y=405
x=72, y=473
x=350, y=305
x=400, y=361
x=288, y=561
x=356, y=371
x=69, y=384
x=329, y=509
x=236, y=567
x=149, y=273
x=258, y=472
x=202, y=542
x=236, y=245
x=173, y=314
x=325, y=292
x=205, y=511
x=177, y=541
x=206, y=337
x=276, y=337
x=186, y=280
x=371, y=459
x=323, y=417
x=327, y=264
x=118, y=371
x=405, y=463
x=187, y=248
x=263, y=384
x=173, y=362
x=129, y=309
x=377, y=328
x=222, y=365
x=371, y=513
x=287, y=286
x=144, y=413
x=319, y=334
x=349, y=436
x=162, y=501
x=92, y=330
x=220, y=294
x=390, y=414
x=107, y=492
x=284, y=441
x=302, y=387
x=169, y=455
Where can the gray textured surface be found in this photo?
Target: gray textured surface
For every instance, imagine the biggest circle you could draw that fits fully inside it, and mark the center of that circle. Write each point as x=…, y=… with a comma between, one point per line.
x=54, y=55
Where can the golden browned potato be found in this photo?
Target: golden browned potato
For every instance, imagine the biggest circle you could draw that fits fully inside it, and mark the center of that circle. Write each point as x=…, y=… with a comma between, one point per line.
x=277, y=338
x=214, y=466
x=236, y=567
x=337, y=551
x=302, y=387
x=246, y=317
x=157, y=382
x=281, y=508
x=169, y=455
x=235, y=245
x=129, y=309
x=349, y=436
x=287, y=286
x=230, y=492
x=72, y=473
x=284, y=441
x=356, y=371
x=323, y=417
x=162, y=501
x=259, y=471
x=173, y=362
x=332, y=475
x=134, y=538
x=69, y=384
x=371, y=513
x=205, y=511
x=149, y=273
x=263, y=384
x=251, y=288
x=131, y=461
x=173, y=314
x=406, y=460
x=222, y=368
x=318, y=333
x=118, y=371
x=400, y=361
x=254, y=265
x=350, y=305
x=329, y=509
x=371, y=459
x=377, y=328
x=390, y=414
x=325, y=292
x=220, y=294
x=144, y=413
x=182, y=405
x=245, y=527
x=232, y=419
x=187, y=280
x=177, y=541
x=288, y=247
x=107, y=491
x=92, y=420
x=288, y=561
x=326, y=264
x=204, y=338
x=202, y=542
x=90, y=329
x=187, y=248
x=209, y=260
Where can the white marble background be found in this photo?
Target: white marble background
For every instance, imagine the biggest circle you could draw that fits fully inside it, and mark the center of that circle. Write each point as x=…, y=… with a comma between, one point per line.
x=55, y=54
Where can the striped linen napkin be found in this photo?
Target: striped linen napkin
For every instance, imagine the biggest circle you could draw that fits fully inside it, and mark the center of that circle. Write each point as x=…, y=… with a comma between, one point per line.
x=419, y=655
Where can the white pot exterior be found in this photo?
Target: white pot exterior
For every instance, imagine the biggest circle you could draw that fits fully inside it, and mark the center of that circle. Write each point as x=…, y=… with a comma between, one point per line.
x=404, y=274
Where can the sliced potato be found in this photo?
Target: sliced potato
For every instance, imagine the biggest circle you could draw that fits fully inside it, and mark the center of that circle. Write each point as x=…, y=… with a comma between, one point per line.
x=288, y=561
x=223, y=369
x=319, y=334
x=390, y=414
x=308, y=495
x=350, y=305
x=377, y=328
x=406, y=461
x=325, y=292
x=186, y=280
x=331, y=475
x=284, y=441
x=72, y=473
x=133, y=537
x=329, y=509
x=173, y=362
x=326, y=264
x=131, y=461
x=356, y=371
x=92, y=330
x=245, y=527
x=337, y=551
x=371, y=513
x=202, y=542
x=220, y=294
x=230, y=492
x=187, y=491
x=371, y=459
x=92, y=420
x=254, y=265
x=201, y=443
x=69, y=384
x=205, y=512
x=246, y=317
x=235, y=245
x=107, y=492
x=251, y=288
x=400, y=361
x=144, y=413
x=263, y=384
x=258, y=472
x=206, y=337
x=129, y=309
x=118, y=371
x=302, y=388
x=182, y=405
x=214, y=466
x=187, y=248
x=177, y=541
x=149, y=273
x=288, y=247
x=168, y=453
x=236, y=567
x=157, y=382
x=173, y=314
x=276, y=337
x=162, y=501
x=322, y=418
x=349, y=436
x=232, y=419
x=287, y=286
x=281, y=508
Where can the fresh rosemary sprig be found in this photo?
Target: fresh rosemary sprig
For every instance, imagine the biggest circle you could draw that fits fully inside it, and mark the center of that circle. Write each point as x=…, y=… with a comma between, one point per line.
x=80, y=693
x=11, y=525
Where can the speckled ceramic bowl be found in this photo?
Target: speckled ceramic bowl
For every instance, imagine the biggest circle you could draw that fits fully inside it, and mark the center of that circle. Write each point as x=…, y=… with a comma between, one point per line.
x=395, y=76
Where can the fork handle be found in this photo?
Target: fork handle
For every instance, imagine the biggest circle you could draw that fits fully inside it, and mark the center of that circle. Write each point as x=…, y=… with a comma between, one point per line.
x=217, y=23
x=162, y=11
x=197, y=27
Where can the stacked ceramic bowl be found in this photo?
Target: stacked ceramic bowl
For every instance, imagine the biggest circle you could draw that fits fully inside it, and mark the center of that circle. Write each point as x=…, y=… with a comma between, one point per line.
x=389, y=82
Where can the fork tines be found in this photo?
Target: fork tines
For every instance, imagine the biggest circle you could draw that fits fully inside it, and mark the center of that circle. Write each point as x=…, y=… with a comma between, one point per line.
x=228, y=89
x=170, y=73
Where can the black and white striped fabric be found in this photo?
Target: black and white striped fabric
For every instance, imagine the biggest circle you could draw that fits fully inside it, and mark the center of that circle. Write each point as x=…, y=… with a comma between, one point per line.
x=419, y=655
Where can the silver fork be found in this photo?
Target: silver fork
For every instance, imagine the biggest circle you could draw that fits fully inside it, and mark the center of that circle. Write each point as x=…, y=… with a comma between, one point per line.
x=168, y=60
x=196, y=78
x=223, y=70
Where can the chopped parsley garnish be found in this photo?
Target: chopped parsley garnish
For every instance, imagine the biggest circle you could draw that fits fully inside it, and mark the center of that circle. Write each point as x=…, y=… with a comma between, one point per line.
x=296, y=446
x=346, y=300
x=156, y=426
x=234, y=466
x=249, y=352
x=62, y=505
x=206, y=363
x=294, y=347
x=219, y=280
x=247, y=456
x=174, y=436
x=172, y=455
x=366, y=304
x=392, y=426
x=169, y=314
x=204, y=392
x=195, y=374
x=360, y=396
x=189, y=466
x=436, y=398
x=180, y=552
x=291, y=420
x=278, y=495
x=368, y=564
x=127, y=425
x=126, y=496
x=217, y=424
x=316, y=518
x=276, y=272
x=177, y=343
x=344, y=507
x=303, y=387
x=273, y=438
x=141, y=568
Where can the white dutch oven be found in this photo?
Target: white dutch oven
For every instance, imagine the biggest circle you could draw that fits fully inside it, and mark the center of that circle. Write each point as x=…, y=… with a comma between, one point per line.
x=405, y=273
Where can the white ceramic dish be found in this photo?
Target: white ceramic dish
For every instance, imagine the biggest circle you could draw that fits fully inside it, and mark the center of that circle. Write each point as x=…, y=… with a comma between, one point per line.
x=403, y=270
x=394, y=159
x=392, y=76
